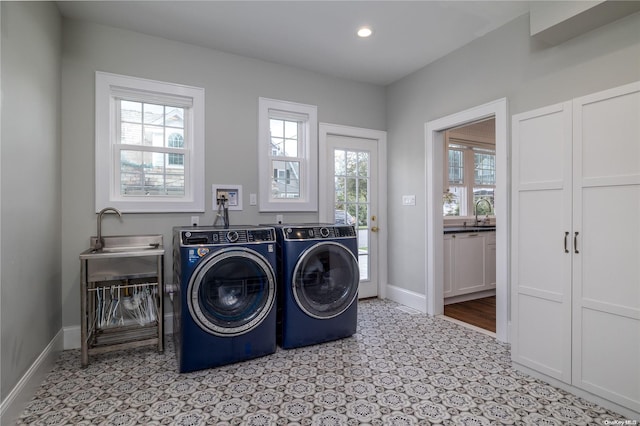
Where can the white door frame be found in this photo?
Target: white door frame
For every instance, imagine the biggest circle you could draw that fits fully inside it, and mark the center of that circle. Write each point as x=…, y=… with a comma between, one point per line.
x=325, y=199
x=434, y=223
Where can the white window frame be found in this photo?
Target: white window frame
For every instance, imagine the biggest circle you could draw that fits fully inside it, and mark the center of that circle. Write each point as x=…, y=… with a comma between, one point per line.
x=109, y=87
x=307, y=156
x=469, y=183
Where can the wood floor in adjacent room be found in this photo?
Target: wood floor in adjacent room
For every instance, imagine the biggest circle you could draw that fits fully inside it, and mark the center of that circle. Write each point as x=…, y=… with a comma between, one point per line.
x=479, y=312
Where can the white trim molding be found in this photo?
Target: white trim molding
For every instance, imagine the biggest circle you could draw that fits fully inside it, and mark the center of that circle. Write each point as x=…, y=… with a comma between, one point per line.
x=434, y=151
x=15, y=402
x=325, y=200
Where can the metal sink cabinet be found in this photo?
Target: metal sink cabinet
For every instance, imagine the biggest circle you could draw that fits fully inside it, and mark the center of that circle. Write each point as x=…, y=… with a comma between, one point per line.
x=121, y=294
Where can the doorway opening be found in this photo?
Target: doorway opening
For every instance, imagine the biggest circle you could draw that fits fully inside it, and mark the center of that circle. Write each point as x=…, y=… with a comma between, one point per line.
x=468, y=208
x=435, y=151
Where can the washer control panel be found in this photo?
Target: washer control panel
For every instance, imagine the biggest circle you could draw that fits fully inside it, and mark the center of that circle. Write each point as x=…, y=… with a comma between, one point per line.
x=191, y=237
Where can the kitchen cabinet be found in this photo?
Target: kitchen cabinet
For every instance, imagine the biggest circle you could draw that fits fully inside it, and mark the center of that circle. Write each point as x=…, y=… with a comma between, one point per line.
x=576, y=243
x=466, y=263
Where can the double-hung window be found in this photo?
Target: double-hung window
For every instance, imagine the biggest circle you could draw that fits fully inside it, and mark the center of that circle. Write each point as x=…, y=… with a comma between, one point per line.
x=470, y=176
x=149, y=145
x=288, y=144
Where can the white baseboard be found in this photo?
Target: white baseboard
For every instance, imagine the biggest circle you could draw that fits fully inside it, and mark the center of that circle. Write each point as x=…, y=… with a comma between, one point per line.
x=13, y=405
x=624, y=411
x=408, y=298
x=72, y=334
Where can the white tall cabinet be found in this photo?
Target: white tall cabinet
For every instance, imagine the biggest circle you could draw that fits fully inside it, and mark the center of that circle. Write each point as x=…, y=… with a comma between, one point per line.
x=576, y=243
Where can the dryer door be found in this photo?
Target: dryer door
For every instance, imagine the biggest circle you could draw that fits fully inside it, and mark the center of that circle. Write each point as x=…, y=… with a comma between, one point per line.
x=231, y=292
x=325, y=280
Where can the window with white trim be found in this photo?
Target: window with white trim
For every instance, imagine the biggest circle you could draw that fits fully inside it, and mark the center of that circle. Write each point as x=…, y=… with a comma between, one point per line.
x=288, y=141
x=149, y=145
x=470, y=175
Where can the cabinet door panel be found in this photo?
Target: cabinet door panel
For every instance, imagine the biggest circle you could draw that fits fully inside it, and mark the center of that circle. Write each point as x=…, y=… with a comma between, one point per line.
x=540, y=268
x=541, y=335
x=609, y=246
x=606, y=268
x=490, y=267
x=448, y=266
x=609, y=132
x=610, y=360
x=469, y=263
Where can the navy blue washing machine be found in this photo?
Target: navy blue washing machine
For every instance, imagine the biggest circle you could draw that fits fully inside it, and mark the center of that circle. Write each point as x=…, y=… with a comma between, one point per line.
x=318, y=279
x=225, y=304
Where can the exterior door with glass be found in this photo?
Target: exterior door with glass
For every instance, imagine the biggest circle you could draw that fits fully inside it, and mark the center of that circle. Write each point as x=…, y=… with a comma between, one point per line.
x=352, y=195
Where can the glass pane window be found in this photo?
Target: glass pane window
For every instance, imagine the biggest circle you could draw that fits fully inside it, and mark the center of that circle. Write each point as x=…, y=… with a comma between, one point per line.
x=485, y=168
x=146, y=173
x=484, y=207
x=286, y=179
x=456, y=167
x=352, y=204
x=284, y=138
x=454, y=201
x=149, y=143
x=466, y=185
x=156, y=168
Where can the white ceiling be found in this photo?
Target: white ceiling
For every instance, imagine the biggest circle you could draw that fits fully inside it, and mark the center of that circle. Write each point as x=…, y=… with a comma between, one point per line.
x=313, y=35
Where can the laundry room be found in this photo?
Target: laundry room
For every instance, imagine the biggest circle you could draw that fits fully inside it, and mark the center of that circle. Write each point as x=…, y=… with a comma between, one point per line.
x=359, y=181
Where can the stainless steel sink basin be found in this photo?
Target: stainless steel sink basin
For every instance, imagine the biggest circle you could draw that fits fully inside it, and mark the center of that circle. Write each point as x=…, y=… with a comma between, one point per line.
x=124, y=245
x=122, y=256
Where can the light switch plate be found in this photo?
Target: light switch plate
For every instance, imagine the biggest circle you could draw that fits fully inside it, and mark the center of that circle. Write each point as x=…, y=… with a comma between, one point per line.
x=253, y=199
x=408, y=200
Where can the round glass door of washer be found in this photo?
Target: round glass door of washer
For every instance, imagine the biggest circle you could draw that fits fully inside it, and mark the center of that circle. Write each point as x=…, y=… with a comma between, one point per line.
x=231, y=292
x=325, y=280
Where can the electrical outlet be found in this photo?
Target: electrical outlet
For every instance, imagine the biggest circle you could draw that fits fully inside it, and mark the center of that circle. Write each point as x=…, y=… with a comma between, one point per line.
x=195, y=220
x=279, y=218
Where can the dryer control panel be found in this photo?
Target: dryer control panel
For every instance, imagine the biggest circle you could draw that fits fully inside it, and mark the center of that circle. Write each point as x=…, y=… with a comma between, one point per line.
x=318, y=232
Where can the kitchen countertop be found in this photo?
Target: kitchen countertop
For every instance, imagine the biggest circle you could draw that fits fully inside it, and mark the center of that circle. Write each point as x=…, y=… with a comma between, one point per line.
x=461, y=229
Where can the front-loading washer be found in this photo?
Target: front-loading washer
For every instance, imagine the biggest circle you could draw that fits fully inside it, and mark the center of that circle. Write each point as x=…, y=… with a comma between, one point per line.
x=224, y=308
x=318, y=279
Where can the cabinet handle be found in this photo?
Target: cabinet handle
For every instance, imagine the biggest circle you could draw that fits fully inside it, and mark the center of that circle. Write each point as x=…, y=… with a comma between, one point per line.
x=575, y=243
x=566, y=235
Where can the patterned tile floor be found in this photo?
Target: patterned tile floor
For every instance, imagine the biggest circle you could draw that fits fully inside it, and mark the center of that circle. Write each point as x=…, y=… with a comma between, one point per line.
x=399, y=369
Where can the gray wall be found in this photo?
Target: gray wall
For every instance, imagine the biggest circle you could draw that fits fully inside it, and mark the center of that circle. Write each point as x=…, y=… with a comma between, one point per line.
x=232, y=84
x=31, y=277
x=505, y=63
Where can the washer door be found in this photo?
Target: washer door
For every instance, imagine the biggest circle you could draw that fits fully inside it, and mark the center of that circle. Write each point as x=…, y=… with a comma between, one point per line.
x=325, y=280
x=231, y=292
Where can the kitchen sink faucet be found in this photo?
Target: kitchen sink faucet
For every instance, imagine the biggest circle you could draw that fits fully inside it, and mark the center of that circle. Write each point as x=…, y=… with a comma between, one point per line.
x=99, y=240
x=476, y=207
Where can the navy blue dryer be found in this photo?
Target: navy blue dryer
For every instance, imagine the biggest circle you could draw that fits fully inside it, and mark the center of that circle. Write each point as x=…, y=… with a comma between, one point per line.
x=224, y=308
x=318, y=279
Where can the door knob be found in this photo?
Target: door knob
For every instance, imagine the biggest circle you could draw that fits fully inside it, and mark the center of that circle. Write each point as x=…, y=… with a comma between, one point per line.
x=374, y=229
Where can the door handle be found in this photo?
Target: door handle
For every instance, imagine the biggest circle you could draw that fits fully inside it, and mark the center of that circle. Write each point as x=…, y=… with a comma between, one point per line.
x=575, y=243
x=566, y=235
x=374, y=229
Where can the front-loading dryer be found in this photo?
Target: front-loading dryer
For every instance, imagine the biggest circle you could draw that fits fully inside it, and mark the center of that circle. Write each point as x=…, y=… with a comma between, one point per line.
x=224, y=307
x=318, y=279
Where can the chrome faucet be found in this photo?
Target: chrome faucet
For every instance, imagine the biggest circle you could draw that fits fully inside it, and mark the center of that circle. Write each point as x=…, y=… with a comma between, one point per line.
x=476, y=207
x=99, y=240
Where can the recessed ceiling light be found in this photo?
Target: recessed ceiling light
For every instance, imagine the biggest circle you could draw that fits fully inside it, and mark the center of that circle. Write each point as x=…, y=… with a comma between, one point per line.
x=364, y=32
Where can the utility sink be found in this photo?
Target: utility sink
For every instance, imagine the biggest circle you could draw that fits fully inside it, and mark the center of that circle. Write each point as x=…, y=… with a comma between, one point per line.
x=123, y=245
x=122, y=257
